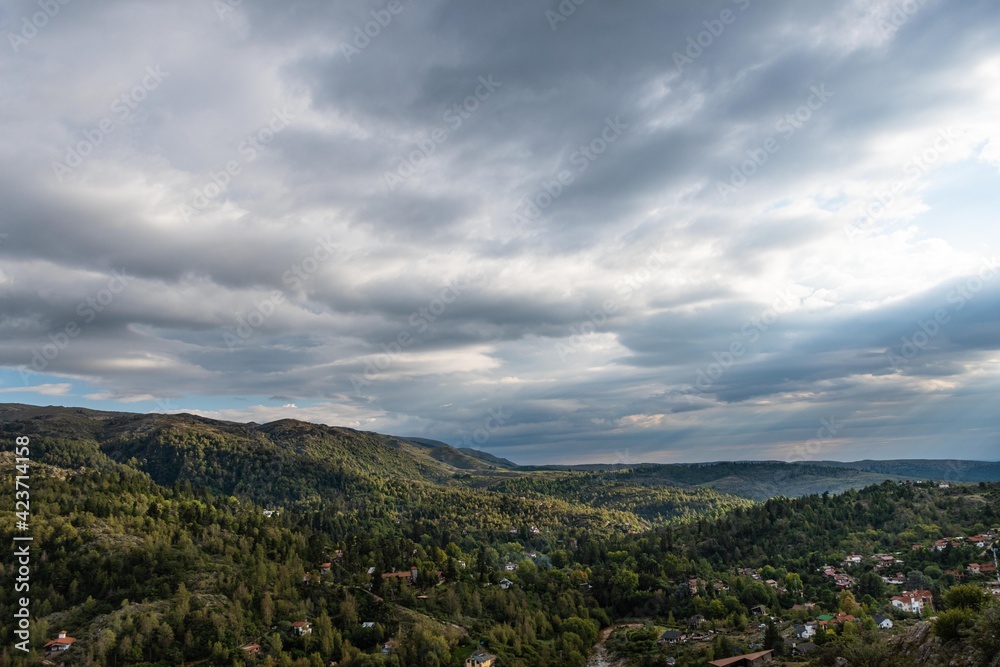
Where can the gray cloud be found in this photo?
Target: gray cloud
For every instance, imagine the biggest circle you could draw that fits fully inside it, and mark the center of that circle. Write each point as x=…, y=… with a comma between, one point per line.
x=274, y=263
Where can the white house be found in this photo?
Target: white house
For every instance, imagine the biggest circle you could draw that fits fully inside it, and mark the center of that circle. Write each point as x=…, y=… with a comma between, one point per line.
x=302, y=628
x=882, y=622
x=506, y=583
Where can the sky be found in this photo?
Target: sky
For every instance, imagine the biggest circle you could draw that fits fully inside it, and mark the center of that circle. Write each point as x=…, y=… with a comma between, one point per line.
x=560, y=232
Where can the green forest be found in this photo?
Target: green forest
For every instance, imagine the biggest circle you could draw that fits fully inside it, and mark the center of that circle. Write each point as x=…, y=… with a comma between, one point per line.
x=170, y=540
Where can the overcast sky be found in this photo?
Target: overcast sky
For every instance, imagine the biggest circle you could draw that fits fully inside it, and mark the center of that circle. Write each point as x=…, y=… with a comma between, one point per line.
x=668, y=231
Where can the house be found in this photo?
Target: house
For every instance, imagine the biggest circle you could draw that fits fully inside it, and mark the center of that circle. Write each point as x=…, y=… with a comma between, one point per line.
x=510, y=567
x=695, y=621
x=371, y=570
x=940, y=545
x=804, y=632
x=746, y=660
x=324, y=568
x=972, y=568
x=671, y=637
x=411, y=575
x=802, y=649
x=944, y=485
x=268, y=514
x=882, y=622
x=913, y=601
x=759, y=610
x=389, y=647
x=853, y=559
x=302, y=628
x=368, y=624
x=480, y=659
x=897, y=579
x=980, y=540
x=506, y=583
x=61, y=643
x=306, y=577
x=251, y=649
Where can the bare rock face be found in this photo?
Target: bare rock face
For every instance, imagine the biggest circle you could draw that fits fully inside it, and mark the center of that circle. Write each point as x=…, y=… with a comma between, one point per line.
x=920, y=643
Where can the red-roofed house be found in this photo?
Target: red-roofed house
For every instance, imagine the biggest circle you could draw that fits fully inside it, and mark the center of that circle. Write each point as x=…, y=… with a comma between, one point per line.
x=913, y=601
x=302, y=627
x=61, y=643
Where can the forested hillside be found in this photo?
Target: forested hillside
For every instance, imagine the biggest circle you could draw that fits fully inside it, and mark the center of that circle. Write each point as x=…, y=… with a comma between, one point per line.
x=165, y=540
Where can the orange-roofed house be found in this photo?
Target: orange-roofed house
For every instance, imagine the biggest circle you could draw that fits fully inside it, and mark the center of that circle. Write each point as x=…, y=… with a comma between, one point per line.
x=61, y=643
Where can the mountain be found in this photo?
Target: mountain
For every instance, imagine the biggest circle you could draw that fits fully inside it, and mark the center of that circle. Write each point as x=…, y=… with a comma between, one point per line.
x=176, y=539
x=300, y=464
x=950, y=470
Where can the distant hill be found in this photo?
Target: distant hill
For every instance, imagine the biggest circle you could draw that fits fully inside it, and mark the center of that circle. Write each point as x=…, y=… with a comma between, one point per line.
x=460, y=457
x=951, y=470
x=289, y=460
x=292, y=463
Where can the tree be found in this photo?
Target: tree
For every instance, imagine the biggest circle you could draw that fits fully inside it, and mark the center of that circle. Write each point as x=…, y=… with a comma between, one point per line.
x=870, y=583
x=954, y=624
x=267, y=610
x=965, y=596
x=772, y=638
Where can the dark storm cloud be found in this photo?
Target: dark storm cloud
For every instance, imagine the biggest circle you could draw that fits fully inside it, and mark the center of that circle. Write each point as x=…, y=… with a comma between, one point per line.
x=480, y=207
